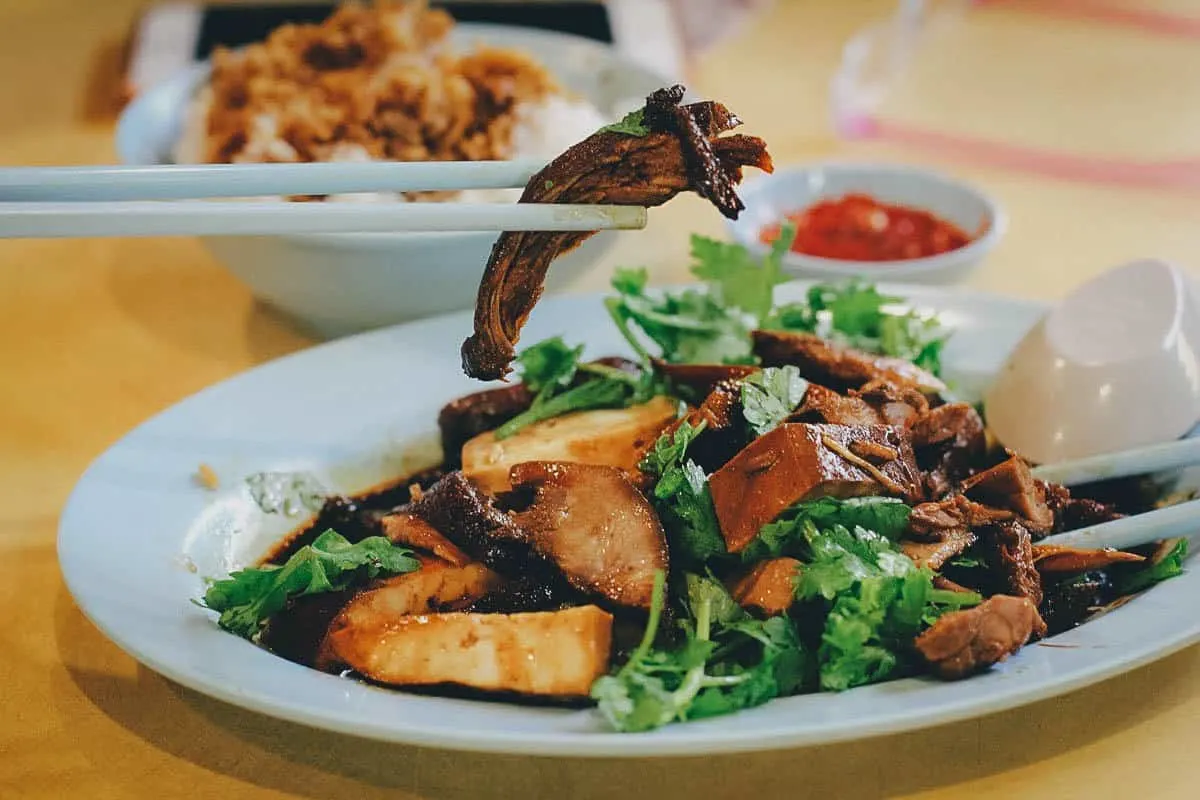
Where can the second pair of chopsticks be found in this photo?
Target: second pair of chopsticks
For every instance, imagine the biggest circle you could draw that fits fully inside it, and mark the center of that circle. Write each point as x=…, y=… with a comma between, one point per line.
x=52, y=202
x=1181, y=520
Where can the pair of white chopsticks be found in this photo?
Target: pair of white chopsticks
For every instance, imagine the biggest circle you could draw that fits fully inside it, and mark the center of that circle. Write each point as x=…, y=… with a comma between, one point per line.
x=169, y=200
x=1181, y=520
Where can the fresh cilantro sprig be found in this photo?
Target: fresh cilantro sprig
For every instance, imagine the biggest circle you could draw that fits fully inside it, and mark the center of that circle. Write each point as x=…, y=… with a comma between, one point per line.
x=787, y=535
x=722, y=667
x=877, y=599
x=682, y=497
x=770, y=395
x=858, y=315
x=632, y=124
x=248, y=597
x=711, y=326
x=550, y=369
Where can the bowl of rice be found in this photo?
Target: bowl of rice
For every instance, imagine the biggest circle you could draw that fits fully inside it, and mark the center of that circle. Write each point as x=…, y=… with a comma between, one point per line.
x=389, y=82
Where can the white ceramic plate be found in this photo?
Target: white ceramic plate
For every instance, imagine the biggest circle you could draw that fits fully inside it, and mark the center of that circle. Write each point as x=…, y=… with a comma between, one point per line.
x=138, y=525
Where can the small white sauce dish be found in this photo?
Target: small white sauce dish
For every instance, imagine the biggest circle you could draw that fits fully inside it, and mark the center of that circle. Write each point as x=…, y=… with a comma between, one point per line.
x=770, y=198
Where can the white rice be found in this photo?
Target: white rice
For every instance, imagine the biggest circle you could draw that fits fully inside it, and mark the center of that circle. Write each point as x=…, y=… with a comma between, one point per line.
x=541, y=130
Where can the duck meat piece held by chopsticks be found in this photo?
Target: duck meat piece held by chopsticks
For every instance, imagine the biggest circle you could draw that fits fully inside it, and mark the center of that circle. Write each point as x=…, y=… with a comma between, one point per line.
x=646, y=160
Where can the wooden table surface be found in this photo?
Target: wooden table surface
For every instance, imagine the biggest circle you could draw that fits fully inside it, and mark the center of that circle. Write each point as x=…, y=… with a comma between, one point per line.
x=96, y=335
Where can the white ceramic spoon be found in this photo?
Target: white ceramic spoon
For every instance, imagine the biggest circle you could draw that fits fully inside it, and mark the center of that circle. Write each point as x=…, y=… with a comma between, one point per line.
x=1113, y=366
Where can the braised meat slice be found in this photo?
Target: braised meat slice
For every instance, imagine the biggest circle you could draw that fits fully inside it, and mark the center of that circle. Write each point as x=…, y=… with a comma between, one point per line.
x=412, y=531
x=839, y=368
x=682, y=149
x=463, y=419
x=1010, y=484
x=595, y=526
x=950, y=443
x=940, y=520
x=1051, y=558
x=802, y=461
x=702, y=379
x=825, y=405
x=935, y=554
x=1071, y=600
x=724, y=434
x=962, y=643
x=548, y=653
x=1008, y=551
x=768, y=588
x=899, y=404
x=467, y=516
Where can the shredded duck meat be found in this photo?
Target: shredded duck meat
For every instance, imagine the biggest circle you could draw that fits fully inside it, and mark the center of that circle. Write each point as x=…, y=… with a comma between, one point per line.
x=682, y=149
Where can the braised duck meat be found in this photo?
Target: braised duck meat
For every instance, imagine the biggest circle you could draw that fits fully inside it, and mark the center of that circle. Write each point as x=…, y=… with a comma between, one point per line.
x=1057, y=559
x=723, y=434
x=1010, y=484
x=802, y=461
x=1007, y=549
x=825, y=405
x=595, y=526
x=681, y=149
x=962, y=643
x=1071, y=600
x=941, y=520
x=839, y=368
x=468, y=517
x=463, y=419
x=935, y=554
x=699, y=380
x=949, y=442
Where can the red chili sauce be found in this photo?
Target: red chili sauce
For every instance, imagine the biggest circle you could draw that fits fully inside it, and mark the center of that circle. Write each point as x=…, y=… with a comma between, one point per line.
x=857, y=227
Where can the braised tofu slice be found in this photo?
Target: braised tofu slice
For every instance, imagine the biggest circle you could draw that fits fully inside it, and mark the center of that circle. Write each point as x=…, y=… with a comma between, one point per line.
x=412, y=531
x=768, y=588
x=437, y=586
x=434, y=587
x=549, y=653
x=610, y=437
x=801, y=461
x=595, y=526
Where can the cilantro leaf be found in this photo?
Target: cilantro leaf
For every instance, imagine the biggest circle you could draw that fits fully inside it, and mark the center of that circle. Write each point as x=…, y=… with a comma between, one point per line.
x=683, y=499
x=857, y=315
x=885, y=516
x=632, y=124
x=1167, y=564
x=550, y=367
x=719, y=669
x=331, y=563
x=769, y=396
x=549, y=363
x=736, y=278
x=877, y=600
x=600, y=393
